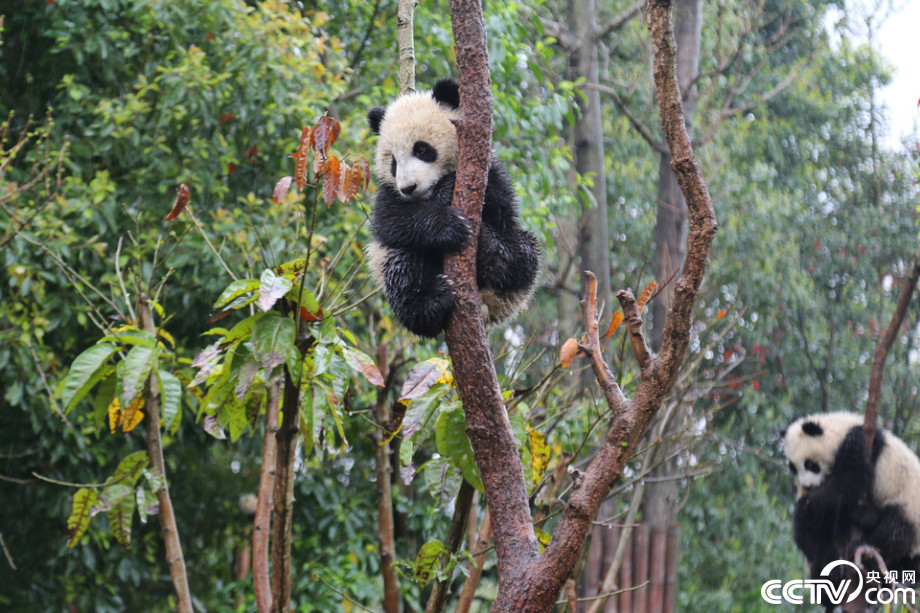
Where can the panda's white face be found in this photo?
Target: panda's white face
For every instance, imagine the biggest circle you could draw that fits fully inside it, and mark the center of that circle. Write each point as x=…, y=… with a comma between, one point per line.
x=811, y=445
x=417, y=145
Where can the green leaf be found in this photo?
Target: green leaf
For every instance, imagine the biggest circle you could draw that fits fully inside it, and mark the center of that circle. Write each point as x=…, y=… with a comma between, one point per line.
x=450, y=434
x=443, y=480
x=271, y=288
x=78, y=521
x=137, y=366
x=241, y=331
x=426, y=564
x=130, y=468
x=272, y=338
x=131, y=336
x=170, y=399
x=235, y=290
x=84, y=373
x=120, y=516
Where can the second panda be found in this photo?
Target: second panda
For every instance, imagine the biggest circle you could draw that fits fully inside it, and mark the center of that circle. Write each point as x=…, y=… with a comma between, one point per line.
x=415, y=225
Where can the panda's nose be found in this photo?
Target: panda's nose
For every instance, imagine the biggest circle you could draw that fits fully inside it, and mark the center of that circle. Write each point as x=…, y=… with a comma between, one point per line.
x=408, y=190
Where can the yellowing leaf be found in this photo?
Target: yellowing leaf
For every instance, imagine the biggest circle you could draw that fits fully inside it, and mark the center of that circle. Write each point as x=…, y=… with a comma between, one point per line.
x=568, y=352
x=132, y=415
x=126, y=419
x=646, y=295
x=721, y=314
x=540, y=454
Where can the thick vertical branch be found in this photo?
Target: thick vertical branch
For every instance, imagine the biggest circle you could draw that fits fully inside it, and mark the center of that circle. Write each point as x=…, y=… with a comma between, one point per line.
x=283, y=501
x=908, y=285
x=261, y=524
x=486, y=418
x=385, y=531
x=536, y=590
x=405, y=37
x=174, y=557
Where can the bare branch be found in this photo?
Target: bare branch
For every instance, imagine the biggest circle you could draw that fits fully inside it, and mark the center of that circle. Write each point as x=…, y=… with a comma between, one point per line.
x=619, y=21
x=605, y=378
x=633, y=319
x=908, y=285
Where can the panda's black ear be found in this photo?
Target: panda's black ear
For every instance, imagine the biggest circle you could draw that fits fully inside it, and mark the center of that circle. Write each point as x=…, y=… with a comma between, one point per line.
x=374, y=117
x=447, y=92
x=812, y=429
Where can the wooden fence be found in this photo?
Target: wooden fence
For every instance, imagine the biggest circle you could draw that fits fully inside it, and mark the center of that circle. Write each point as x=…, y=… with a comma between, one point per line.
x=647, y=580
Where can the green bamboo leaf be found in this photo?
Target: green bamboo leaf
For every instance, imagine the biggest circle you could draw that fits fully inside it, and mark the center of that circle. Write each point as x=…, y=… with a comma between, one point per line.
x=272, y=338
x=170, y=399
x=78, y=521
x=271, y=288
x=85, y=371
x=137, y=366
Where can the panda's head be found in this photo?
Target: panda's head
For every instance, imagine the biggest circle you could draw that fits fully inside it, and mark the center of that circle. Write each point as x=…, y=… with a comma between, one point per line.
x=418, y=139
x=811, y=444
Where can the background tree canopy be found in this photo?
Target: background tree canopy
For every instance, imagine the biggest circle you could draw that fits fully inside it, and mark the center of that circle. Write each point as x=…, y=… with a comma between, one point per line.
x=112, y=104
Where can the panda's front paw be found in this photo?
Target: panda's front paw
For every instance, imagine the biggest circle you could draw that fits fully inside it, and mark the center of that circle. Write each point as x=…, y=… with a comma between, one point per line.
x=455, y=231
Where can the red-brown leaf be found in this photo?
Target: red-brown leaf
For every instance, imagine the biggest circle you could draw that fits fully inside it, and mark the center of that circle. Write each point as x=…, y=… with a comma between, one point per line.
x=350, y=183
x=281, y=190
x=306, y=315
x=325, y=134
x=179, y=205
x=332, y=176
x=365, y=169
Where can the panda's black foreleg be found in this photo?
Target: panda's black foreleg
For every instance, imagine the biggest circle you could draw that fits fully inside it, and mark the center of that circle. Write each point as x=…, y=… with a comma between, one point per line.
x=893, y=535
x=509, y=262
x=419, y=294
x=416, y=225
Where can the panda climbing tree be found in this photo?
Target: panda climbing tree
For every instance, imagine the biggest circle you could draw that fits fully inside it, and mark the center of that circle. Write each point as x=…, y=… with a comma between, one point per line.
x=857, y=485
x=415, y=224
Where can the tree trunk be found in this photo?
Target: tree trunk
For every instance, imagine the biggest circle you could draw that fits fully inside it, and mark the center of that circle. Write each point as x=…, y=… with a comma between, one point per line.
x=593, y=241
x=659, y=508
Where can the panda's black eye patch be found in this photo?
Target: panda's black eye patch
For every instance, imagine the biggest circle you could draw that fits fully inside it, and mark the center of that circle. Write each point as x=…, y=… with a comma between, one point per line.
x=793, y=468
x=393, y=166
x=812, y=466
x=424, y=151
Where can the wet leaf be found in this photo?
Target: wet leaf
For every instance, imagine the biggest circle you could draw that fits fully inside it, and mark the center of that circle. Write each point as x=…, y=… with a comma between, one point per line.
x=78, y=521
x=364, y=364
x=281, y=190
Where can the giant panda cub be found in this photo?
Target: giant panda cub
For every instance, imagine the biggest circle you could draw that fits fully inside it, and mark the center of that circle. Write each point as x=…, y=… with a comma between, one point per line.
x=844, y=496
x=414, y=223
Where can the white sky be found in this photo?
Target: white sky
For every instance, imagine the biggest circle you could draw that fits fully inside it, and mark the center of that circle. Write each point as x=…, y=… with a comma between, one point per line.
x=899, y=41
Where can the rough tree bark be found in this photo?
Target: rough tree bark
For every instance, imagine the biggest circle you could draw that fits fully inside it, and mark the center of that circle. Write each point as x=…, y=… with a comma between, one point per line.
x=474, y=371
x=529, y=582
